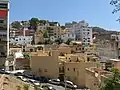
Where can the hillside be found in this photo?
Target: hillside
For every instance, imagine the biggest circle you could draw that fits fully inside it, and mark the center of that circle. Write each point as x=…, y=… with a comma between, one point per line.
x=102, y=33
x=11, y=83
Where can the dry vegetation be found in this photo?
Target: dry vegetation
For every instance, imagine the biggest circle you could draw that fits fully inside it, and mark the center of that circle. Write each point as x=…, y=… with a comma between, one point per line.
x=11, y=83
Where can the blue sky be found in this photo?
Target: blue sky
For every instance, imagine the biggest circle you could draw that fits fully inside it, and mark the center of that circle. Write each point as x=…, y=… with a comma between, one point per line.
x=95, y=12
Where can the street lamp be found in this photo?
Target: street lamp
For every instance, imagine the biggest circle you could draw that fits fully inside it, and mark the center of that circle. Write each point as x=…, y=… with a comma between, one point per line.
x=65, y=75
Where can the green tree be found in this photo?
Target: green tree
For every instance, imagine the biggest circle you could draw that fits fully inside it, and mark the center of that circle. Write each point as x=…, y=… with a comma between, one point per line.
x=48, y=41
x=45, y=34
x=34, y=23
x=63, y=27
x=68, y=41
x=43, y=22
x=112, y=82
x=16, y=24
x=26, y=87
x=26, y=56
x=59, y=40
x=116, y=4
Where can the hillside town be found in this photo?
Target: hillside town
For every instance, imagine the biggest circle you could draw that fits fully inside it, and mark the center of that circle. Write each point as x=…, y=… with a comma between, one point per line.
x=40, y=54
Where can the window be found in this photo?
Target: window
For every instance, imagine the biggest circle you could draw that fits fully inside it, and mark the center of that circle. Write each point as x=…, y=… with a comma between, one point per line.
x=45, y=70
x=3, y=6
x=83, y=32
x=68, y=69
x=82, y=48
x=88, y=59
x=1, y=21
x=68, y=35
x=2, y=53
x=74, y=69
x=23, y=50
x=88, y=40
x=31, y=50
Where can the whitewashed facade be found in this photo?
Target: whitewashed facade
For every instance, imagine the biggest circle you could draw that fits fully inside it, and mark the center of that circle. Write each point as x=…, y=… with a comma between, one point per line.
x=82, y=32
x=21, y=40
x=64, y=37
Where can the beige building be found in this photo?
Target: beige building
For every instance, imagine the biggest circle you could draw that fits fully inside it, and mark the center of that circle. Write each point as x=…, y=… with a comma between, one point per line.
x=77, y=47
x=107, y=48
x=64, y=49
x=38, y=37
x=14, y=50
x=112, y=63
x=54, y=65
x=75, y=71
x=45, y=64
x=73, y=67
x=95, y=77
x=54, y=30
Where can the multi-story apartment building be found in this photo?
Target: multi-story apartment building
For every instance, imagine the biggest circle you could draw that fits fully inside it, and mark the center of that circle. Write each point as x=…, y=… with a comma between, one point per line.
x=39, y=61
x=4, y=31
x=38, y=37
x=55, y=29
x=86, y=36
x=21, y=40
x=71, y=66
x=4, y=27
x=82, y=32
x=108, y=49
x=15, y=32
x=64, y=37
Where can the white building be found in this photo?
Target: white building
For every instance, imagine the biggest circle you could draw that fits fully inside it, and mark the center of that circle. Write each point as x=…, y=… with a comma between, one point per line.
x=21, y=40
x=67, y=36
x=86, y=36
x=82, y=32
x=64, y=37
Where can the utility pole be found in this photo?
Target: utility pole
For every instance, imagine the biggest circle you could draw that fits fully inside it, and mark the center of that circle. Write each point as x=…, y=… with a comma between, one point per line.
x=65, y=82
x=65, y=75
